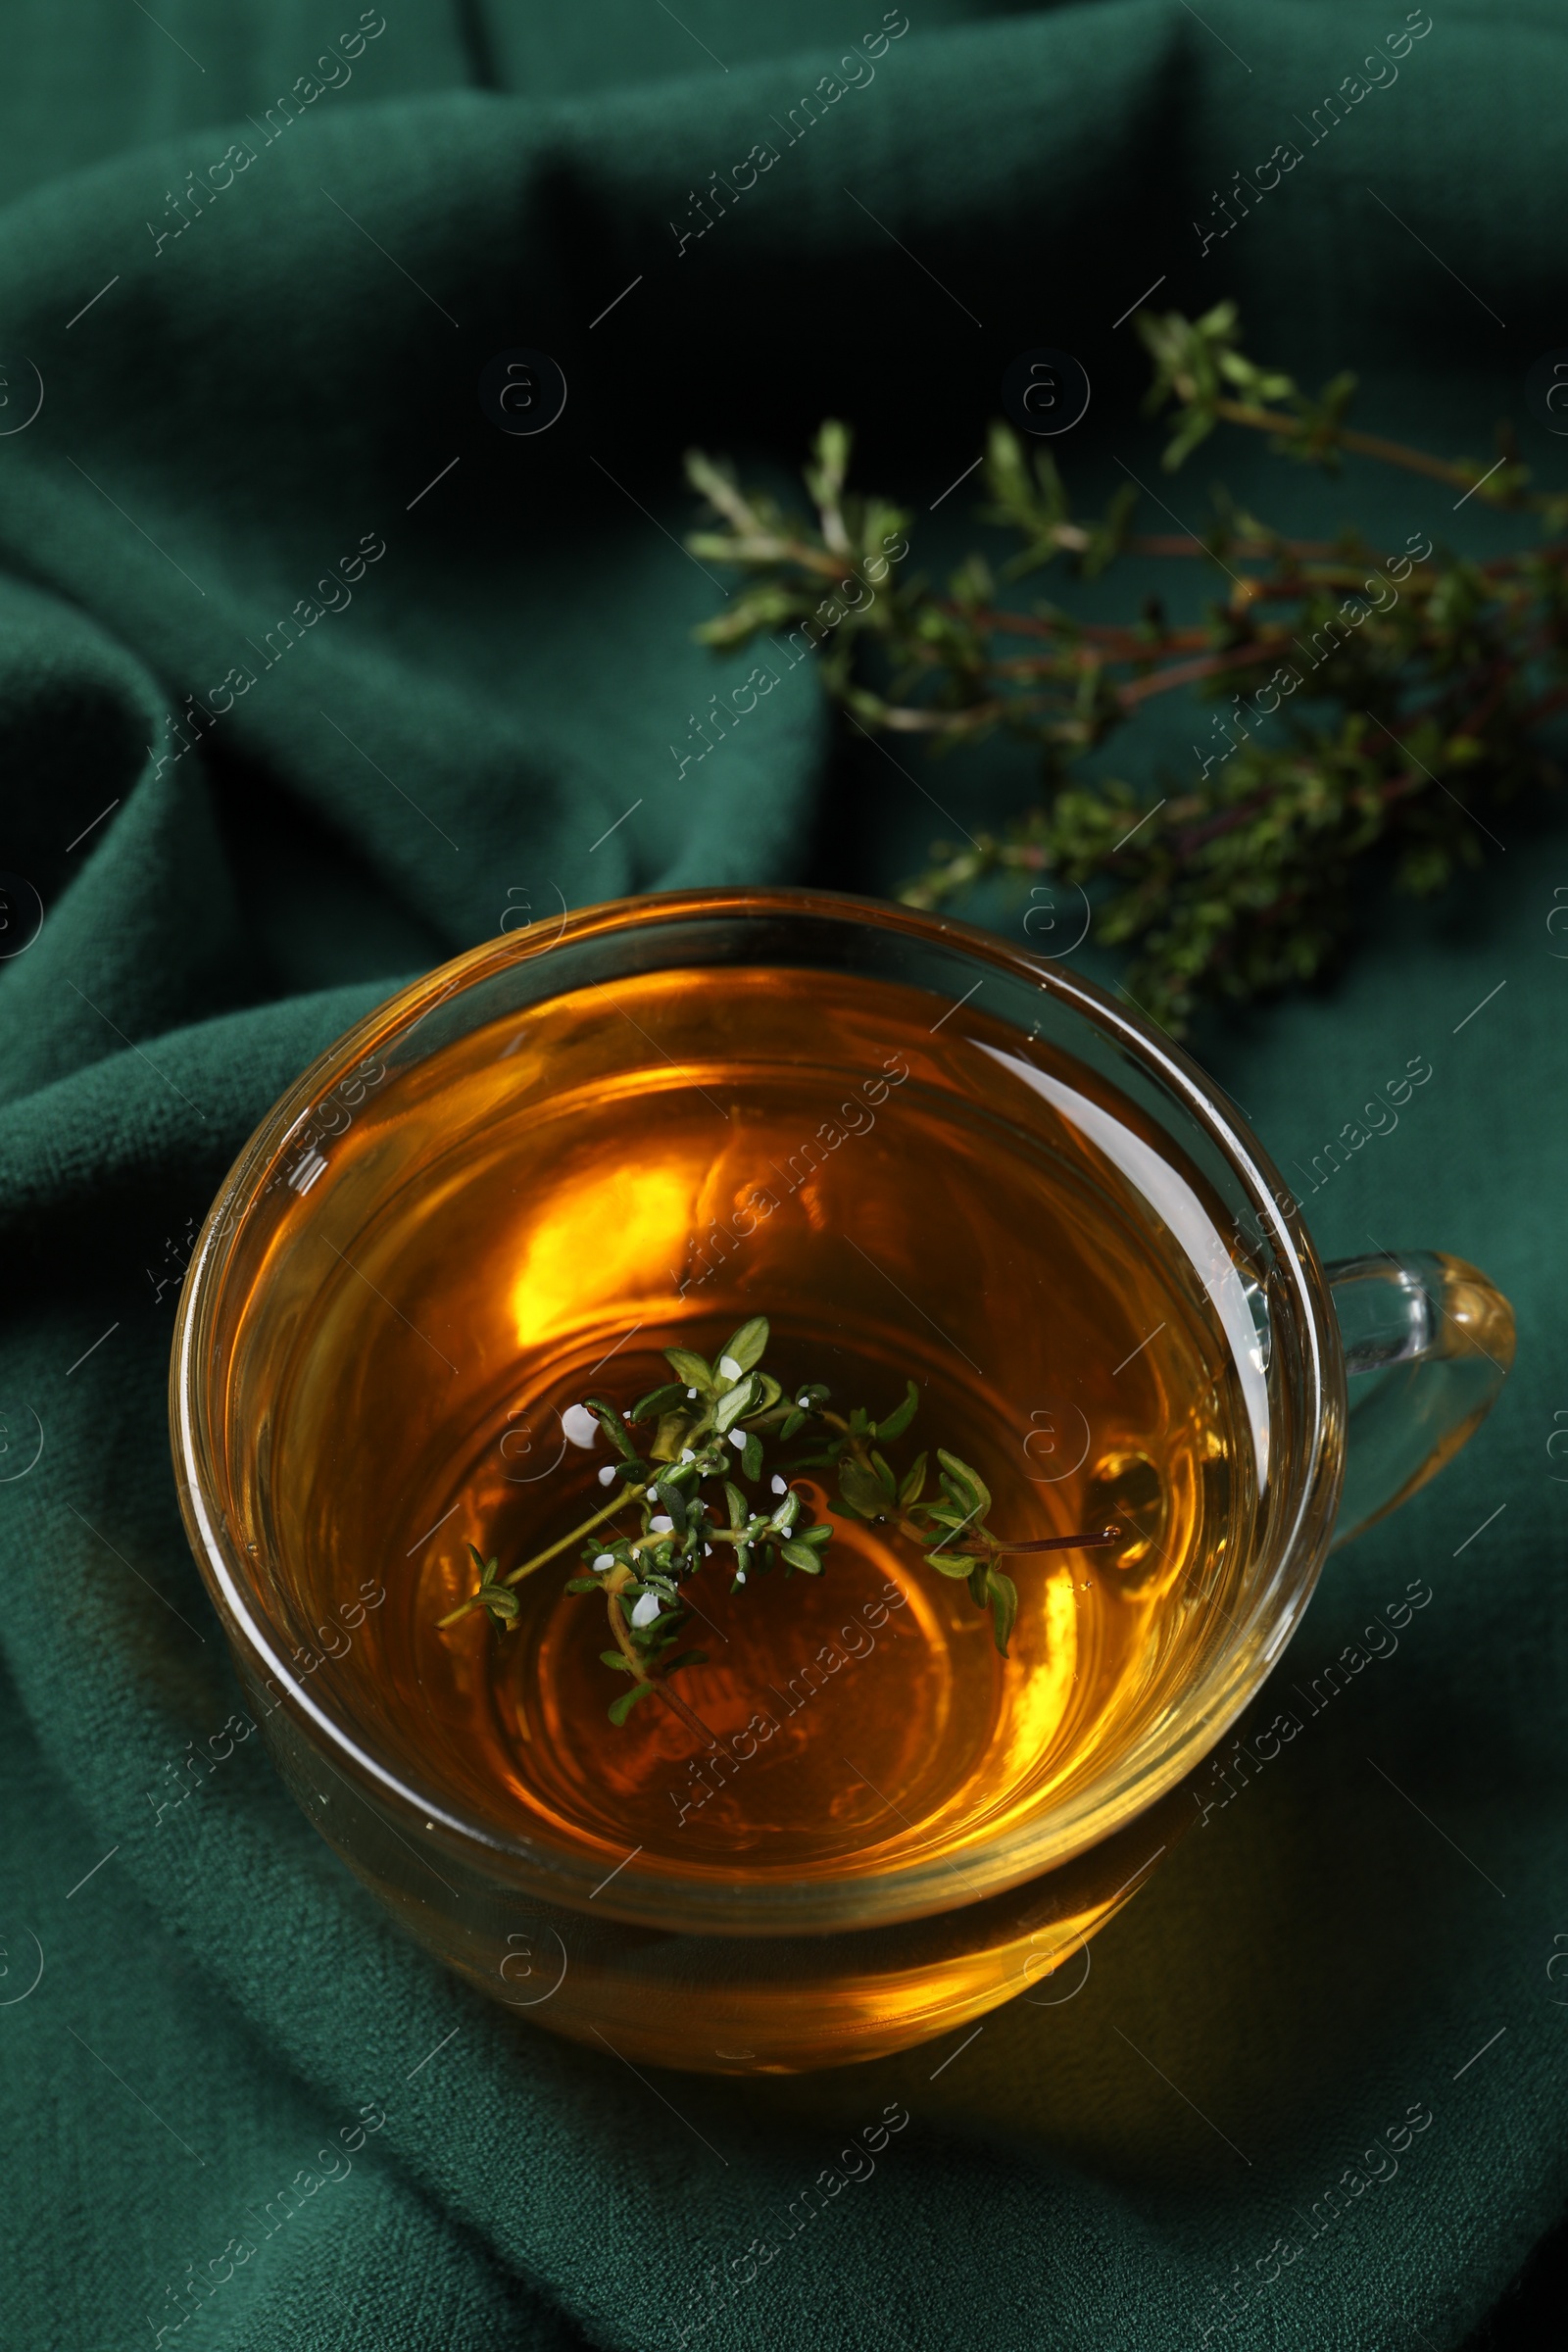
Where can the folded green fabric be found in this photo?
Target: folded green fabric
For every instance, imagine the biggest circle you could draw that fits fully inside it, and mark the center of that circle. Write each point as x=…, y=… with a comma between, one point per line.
x=260, y=408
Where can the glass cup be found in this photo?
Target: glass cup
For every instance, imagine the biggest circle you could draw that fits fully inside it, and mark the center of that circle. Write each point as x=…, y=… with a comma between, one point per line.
x=1360, y=1380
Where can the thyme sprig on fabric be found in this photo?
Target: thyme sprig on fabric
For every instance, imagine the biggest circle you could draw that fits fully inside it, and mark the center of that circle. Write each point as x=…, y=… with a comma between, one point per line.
x=1377, y=703
x=709, y=1426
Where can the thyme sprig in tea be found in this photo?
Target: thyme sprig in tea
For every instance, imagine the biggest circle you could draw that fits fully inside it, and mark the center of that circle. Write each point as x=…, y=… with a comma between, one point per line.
x=681, y=1505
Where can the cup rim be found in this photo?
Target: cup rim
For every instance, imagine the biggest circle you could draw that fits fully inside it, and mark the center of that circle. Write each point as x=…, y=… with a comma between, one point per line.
x=907, y=1889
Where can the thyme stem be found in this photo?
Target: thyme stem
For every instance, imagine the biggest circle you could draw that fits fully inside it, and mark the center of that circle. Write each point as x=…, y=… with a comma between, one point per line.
x=614, y=1584
x=617, y=1502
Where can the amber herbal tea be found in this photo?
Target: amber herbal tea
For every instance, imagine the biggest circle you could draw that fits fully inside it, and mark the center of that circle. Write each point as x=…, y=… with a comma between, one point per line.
x=923, y=1234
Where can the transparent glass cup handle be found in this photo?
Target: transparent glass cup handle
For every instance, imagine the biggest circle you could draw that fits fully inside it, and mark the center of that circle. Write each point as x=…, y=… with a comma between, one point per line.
x=1428, y=1341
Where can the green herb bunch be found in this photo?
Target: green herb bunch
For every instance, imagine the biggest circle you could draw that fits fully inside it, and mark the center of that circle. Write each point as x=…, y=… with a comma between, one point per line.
x=710, y=1426
x=1374, y=702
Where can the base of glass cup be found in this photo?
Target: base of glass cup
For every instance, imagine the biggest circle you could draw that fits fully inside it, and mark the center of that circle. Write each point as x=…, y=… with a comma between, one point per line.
x=720, y=2004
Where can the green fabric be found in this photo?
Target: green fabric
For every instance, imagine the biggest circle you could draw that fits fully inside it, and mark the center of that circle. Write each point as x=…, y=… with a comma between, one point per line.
x=219, y=1998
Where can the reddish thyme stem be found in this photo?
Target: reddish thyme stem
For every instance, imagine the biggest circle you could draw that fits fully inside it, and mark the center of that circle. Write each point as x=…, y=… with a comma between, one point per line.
x=1107, y=1535
x=638, y=1666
